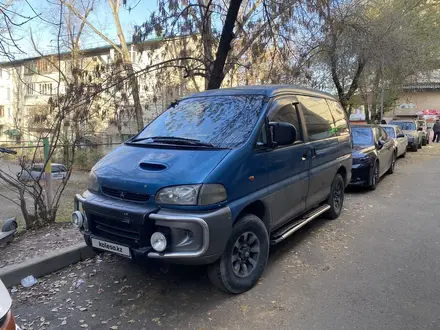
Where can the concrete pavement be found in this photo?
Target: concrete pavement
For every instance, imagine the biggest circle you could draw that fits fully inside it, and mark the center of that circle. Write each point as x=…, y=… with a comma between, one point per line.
x=376, y=267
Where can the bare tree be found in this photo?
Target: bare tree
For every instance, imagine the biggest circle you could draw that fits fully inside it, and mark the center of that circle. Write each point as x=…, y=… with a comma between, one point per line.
x=122, y=49
x=244, y=24
x=365, y=38
x=78, y=86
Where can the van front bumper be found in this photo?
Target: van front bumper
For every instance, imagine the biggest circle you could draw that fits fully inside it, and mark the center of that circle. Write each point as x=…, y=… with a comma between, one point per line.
x=194, y=237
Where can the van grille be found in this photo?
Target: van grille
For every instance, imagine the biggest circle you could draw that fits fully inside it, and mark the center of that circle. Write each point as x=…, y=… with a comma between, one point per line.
x=116, y=230
x=125, y=195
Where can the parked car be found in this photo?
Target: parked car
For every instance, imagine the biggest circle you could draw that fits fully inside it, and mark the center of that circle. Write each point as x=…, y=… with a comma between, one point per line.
x=7, y=321
x=423, y=126
x=373, y=155
x=33, y=172
x=400, y=139
x=218, y=177
x=409, y=127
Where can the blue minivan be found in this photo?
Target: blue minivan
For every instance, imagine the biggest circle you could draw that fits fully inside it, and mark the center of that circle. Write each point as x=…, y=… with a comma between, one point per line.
x=219, y=177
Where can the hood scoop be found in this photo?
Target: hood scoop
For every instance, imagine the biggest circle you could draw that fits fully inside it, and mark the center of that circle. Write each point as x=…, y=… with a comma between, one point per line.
x=155, y=167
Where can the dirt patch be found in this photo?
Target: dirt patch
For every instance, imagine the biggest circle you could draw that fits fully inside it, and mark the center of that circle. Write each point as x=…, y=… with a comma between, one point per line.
x=30, y=244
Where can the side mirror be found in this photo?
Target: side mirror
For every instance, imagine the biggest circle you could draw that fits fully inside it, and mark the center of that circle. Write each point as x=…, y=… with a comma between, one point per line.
x=283, y=133
x=400, y=136
x=380, y=144
x=420, y=129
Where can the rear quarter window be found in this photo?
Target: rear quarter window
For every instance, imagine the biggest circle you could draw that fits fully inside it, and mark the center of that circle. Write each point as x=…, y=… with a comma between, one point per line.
x=341, y=123
x=319, y=120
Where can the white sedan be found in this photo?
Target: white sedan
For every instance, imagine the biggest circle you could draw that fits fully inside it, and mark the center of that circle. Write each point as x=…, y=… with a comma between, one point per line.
x=32, y=173
x=400, y=139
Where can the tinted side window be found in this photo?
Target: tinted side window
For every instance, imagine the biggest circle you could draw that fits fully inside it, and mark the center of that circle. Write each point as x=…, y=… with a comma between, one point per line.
x=339, y=117
x=288, y=114
x=390, y=131
x=383, y=134
x=319, y=120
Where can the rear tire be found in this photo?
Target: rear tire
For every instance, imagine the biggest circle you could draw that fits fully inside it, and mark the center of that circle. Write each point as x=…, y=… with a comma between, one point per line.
x=424, y=142
x=374, y=176
x=336, y=198
x=244, y=258
x=415, y=148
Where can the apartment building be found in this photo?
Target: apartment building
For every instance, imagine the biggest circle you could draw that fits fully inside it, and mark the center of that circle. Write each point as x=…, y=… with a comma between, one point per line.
x=28, y=87
x=6, y=112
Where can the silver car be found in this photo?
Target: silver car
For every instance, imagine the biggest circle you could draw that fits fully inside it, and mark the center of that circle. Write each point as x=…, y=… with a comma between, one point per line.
x=409, y=128
x=400, y=139
x=33, y=172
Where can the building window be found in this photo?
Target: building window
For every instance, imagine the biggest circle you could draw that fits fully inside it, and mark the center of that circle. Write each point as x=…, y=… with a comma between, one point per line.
x=2, y=111
x=30, y=68
x=44, y=66
x=46, y=89
x=30, y=89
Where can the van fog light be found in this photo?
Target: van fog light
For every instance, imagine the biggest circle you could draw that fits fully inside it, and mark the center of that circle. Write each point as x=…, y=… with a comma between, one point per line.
x=158, y=241
x=77, y=219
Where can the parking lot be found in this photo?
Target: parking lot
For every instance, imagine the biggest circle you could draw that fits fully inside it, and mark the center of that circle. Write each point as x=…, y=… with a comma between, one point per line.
x=376, y=267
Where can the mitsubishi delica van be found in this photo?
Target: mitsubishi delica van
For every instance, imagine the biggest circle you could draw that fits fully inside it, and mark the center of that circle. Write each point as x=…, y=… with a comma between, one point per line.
x=219, y=177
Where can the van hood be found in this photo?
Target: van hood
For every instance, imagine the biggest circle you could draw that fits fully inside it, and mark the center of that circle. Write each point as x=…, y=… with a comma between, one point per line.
x=146, y=169
x=5, y=300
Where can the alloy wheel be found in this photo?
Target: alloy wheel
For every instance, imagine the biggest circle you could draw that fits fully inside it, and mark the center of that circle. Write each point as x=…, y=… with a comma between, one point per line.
x=337, y=196
x=245, y=254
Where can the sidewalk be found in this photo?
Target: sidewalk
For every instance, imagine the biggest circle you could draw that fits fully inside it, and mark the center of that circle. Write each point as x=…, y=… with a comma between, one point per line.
x=41, y=252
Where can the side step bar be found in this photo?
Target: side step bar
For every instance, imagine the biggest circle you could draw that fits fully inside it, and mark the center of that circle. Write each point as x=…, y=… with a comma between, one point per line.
x=284, y=232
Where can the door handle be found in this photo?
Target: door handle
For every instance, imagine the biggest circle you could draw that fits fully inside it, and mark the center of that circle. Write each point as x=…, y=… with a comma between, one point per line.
x=304, y=156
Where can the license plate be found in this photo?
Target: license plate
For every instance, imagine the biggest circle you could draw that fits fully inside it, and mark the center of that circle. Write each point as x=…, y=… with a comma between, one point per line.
x=111, y=247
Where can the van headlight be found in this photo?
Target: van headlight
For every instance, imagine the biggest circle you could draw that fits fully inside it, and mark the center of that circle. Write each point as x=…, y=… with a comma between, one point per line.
x=93, y=184
x=206, y=194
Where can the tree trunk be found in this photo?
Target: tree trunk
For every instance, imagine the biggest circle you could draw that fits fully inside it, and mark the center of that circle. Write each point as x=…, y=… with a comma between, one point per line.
x=114, y=5
x=217, y=75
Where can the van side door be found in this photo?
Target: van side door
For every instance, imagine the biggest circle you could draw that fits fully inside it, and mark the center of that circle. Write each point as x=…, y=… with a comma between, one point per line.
x=288, y=167
x=324, y=145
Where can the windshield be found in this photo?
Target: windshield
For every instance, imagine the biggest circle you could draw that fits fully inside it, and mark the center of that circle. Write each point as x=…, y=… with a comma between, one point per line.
x=223, y=121
x=405, y=125
x=362, y=136
x=390, y=132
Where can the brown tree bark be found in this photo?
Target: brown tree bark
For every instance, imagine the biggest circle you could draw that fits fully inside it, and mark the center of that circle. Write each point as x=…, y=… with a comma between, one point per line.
x=217, y=74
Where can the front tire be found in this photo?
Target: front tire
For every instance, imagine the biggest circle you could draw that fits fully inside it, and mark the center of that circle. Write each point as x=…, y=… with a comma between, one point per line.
x=424, y=142
x=245, y=256
x=336, y=198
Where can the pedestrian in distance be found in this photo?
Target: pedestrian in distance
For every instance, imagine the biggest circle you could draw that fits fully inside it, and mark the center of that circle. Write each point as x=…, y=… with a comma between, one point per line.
x=436, y=129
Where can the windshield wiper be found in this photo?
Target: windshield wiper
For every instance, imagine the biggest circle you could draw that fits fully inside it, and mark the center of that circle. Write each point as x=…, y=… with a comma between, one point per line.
x=174, y=140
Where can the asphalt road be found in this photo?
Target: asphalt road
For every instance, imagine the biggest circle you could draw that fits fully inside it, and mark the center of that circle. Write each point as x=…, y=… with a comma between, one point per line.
x=376, y=267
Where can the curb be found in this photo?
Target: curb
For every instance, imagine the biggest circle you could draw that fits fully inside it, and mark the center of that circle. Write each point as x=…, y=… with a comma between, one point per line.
x=49, y=263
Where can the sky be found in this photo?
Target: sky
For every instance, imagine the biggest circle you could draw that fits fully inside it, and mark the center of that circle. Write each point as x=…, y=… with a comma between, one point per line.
x=44, y=34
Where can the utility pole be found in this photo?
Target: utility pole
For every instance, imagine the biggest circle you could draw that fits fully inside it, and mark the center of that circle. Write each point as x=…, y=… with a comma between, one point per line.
x=48, y=173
